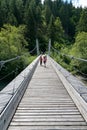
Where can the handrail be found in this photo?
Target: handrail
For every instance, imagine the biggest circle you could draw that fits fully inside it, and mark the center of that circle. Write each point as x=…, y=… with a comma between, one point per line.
x=11, y=95
x=70, y=56
x=76, y=89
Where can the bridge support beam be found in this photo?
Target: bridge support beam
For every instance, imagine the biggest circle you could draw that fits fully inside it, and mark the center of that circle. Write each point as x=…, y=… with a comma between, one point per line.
x=37, y=46
x=49, y=47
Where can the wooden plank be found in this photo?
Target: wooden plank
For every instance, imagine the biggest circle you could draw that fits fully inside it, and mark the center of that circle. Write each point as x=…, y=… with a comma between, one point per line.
x=45, y=106
x=48, y=127
x=47, y=119
x=48, y=113
x=46, y=123
x=40, y=108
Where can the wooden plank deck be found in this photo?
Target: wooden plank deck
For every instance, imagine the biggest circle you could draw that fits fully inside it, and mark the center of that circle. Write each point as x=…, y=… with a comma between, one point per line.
x=46, y=105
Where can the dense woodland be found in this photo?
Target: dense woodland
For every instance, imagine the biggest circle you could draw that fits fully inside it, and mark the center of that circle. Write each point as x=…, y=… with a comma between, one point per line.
x=22, y=21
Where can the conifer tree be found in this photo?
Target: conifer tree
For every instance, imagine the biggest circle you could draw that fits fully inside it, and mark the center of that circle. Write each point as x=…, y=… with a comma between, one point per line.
x=82, y=25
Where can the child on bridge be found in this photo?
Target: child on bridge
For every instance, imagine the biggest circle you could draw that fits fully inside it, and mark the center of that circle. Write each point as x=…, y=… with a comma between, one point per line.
x=44, y=60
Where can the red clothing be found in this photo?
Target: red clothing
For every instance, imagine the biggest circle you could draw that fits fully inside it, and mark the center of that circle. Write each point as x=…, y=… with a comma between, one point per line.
x=44, y=59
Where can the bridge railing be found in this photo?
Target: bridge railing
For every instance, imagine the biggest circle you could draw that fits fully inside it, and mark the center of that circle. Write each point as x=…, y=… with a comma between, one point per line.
x=76, y=89
x=11, y=95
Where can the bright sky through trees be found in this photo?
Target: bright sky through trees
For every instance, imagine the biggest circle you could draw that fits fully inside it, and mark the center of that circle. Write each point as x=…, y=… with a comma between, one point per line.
x=82, y=3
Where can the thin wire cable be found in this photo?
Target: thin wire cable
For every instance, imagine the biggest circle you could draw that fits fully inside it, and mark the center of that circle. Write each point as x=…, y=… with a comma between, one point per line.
x=7, y=75
x=80, y=72
x=6, y=61
x=70, y=56
x=32, y=50
x=12, y=59
x=55, y=50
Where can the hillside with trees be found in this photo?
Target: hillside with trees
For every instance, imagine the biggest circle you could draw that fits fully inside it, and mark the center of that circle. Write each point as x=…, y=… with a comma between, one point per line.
x=22, y=21
x=41, y=20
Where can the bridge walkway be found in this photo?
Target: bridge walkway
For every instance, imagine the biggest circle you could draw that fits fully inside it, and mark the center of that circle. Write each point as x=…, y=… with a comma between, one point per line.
x=46, y=105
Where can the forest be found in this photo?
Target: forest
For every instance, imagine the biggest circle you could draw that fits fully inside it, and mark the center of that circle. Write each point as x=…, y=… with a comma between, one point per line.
x=24, y=21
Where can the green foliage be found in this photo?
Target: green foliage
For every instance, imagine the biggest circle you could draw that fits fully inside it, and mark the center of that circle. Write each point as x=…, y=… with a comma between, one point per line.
x=51, y=29
x=57, y=20
x=27, y=59
x=47, y=11
x=59, y=32
x=82, y=25
x=79, y=50
x=66, y=16
x=12, y=44
x=35, y=16
x=33, y=20
x=55, y=31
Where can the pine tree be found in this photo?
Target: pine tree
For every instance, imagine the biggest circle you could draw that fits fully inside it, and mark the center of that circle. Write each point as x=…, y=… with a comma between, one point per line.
x=51, y=30
x=59, y=32
x=33, y=21
x=82, y=25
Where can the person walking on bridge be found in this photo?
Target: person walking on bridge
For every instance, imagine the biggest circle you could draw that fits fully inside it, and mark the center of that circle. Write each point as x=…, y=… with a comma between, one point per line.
x=44, y=60
x=40, y=59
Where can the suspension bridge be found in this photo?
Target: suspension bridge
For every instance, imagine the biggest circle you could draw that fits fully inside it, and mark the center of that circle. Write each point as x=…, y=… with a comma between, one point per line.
x=43, y=98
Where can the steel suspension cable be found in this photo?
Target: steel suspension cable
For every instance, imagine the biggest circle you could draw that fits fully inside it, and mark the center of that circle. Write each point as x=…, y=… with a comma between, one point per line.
x=70, y=56
x=9, y=60
x=85, y=75
x=2, y=62
x=32, y=50
x=6, y=61
x=7, y=75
